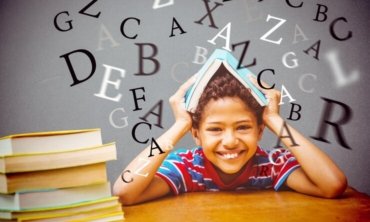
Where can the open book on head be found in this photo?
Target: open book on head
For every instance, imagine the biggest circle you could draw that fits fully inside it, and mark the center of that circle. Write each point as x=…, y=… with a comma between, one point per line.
x=213, y=63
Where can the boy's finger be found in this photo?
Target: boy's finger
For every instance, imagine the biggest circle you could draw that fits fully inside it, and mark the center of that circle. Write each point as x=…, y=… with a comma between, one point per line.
x=185, y=86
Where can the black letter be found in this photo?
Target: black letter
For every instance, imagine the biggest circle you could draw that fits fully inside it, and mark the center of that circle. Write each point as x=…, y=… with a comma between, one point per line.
x=159, y=114
x=177, y=27
x=123, y=25
x=317, y=49
x=246, y=44
x=123, y=178
x=209, y=14
x=321, y=12
x=325, y=121
x=136, y=98
x=288, y=136
x=295, y=111
x=294, y=6
x=141, y=58
x=69, y=22
x=82, y=11
x=259, y=79
x=70, y=67
x=152, y=148
x=333, y=33
x=133, y=132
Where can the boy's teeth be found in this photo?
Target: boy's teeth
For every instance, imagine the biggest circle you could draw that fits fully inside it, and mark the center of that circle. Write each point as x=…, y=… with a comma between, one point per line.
x=230, y=155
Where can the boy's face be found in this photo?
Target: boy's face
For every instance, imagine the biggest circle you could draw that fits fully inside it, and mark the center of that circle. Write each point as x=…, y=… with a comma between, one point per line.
x=228, y=133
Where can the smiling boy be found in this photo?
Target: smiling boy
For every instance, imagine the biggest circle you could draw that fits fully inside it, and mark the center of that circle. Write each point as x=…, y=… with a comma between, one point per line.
x=227, y=125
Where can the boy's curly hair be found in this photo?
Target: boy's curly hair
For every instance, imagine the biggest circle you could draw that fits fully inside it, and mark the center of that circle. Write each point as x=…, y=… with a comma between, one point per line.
x=221, y=85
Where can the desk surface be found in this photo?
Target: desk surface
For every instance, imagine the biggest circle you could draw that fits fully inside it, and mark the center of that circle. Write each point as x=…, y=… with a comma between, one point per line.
x=266, y=205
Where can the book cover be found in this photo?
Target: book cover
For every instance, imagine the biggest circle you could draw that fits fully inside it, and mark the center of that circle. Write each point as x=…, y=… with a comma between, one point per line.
x=62, y=140
x=93, y=205
x=217, y=58
x=57, y=159
x=51, y=198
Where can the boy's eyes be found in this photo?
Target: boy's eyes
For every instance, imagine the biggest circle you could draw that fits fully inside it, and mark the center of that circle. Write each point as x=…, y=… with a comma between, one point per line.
x=219, y=129
x=214, y=129
x=243, y=127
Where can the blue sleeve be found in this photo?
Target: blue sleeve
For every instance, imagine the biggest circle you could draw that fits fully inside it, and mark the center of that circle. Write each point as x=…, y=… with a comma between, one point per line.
x=173, y=172
x=285, y=164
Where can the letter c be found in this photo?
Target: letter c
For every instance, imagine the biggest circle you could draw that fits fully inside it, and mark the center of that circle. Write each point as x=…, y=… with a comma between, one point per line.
x=300, y=82
x=123, y=26
x=123, y=178
x=259, y=79
x=133, y=132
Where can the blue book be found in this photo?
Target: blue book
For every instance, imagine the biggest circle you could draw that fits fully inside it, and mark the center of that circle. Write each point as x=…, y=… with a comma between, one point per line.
x=220, y=57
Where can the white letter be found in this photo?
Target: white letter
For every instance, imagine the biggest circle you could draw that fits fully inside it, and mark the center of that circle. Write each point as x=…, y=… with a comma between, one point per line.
x=138, y=170
x=300, y=82
x=199, y=54
x=103, y=36
x=283, y=89
x=106, y=81
x=227, y=37
x=299, y=33
x=157, y=5
x=342, y=79
x=173, y=74
x=295, y=61
x=124, y=119
x=282, y=21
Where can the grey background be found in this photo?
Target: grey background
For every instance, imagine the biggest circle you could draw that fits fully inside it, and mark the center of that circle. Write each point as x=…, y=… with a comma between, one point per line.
x=35, y=83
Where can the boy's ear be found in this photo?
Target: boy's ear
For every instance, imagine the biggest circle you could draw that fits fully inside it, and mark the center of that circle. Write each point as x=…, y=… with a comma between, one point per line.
x=195, y=134
x=260, y=132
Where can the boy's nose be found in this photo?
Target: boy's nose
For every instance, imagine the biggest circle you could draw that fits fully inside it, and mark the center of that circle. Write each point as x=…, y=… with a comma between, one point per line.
x=229, y=140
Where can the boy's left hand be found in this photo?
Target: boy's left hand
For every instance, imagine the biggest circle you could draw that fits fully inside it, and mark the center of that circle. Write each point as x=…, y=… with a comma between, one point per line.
x=273, y=96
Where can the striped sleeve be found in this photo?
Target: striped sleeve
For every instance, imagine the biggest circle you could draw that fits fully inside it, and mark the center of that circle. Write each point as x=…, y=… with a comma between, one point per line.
x=284, y=164
x=173, y=171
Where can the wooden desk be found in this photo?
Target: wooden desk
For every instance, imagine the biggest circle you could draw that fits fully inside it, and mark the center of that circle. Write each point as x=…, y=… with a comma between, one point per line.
x=266, y=205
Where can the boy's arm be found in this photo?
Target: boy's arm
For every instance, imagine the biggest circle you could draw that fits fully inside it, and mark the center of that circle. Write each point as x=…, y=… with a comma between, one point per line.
x=141, y=183
x=318, y=175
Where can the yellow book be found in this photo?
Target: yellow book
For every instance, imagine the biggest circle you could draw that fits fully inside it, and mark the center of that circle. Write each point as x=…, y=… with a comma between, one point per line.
x=49, y=141
x=51, y=198
x=57, y=178
x=57, y=159
x=77, y=216
x=67, y=209
x=113, y=217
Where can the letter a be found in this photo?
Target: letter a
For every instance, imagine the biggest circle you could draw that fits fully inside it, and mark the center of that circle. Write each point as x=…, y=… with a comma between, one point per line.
x=286, y=94
x=159, y=105
x=226, y=37
x=156, y=147
x=174, y=21
x=316, y=48
x=288, y=136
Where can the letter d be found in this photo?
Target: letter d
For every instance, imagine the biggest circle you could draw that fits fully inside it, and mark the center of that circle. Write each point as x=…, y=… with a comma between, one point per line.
x=72, y=71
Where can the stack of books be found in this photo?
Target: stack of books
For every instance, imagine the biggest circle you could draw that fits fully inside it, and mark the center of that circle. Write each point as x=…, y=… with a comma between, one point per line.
x=57, y=176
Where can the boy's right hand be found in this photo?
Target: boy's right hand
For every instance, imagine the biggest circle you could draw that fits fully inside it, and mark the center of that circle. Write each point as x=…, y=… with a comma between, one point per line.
x=177, y=102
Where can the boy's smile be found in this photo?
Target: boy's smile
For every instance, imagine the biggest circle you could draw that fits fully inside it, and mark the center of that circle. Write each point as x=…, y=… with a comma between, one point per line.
x=228, y=133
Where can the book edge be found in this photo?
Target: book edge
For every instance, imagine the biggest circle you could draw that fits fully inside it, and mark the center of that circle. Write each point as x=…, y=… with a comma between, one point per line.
x=49, y=133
